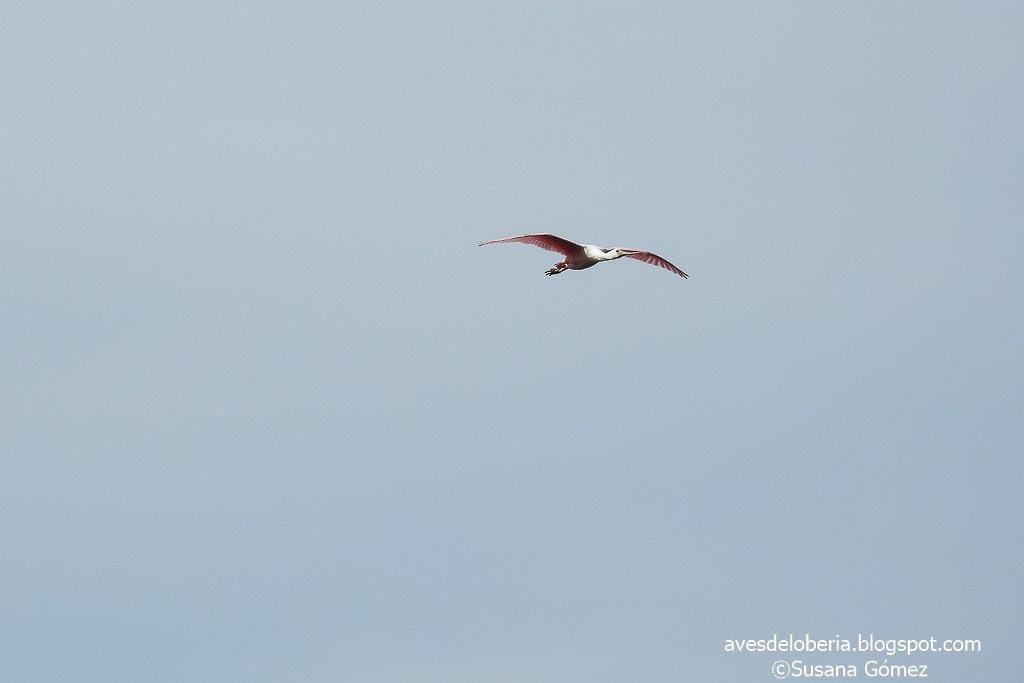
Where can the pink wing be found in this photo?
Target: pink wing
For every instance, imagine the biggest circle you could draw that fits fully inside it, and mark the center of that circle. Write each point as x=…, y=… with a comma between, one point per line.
x=544, y=241
x=655, y=260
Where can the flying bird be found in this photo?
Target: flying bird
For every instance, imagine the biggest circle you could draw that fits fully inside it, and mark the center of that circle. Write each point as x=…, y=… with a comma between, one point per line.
x=580, y=256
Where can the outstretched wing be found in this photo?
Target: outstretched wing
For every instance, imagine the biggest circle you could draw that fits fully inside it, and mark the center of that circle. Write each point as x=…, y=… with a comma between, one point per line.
x=655, y=260
x=544, y=241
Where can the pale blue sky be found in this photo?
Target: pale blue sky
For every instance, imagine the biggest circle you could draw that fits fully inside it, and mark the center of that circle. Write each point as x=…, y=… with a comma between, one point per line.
x=272, y=415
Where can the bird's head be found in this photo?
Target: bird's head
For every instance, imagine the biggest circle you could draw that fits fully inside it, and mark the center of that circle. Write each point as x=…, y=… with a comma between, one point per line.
x=618, y=252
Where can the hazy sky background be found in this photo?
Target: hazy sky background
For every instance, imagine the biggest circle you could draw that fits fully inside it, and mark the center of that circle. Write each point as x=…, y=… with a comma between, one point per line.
x=270, y=414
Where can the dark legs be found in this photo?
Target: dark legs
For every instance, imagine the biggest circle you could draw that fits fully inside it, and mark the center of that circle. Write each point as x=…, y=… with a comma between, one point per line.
x=559, y=267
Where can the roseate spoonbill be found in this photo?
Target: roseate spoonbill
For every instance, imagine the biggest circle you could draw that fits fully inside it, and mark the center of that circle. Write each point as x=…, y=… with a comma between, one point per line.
x=580, y=256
